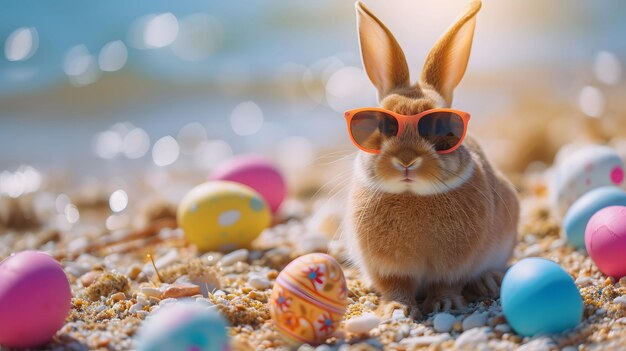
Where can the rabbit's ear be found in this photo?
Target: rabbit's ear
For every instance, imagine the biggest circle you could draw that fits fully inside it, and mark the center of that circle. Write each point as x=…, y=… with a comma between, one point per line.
x=383, y=58
x=447, y=60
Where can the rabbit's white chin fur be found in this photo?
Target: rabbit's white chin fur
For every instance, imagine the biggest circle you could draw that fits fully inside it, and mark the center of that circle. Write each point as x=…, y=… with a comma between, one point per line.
x=419, y=186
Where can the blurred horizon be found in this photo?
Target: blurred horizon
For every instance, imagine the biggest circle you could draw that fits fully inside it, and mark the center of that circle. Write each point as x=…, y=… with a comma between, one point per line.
x=76, y=78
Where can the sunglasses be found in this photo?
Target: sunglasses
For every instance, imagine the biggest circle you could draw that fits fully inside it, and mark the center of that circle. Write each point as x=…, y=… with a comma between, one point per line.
x=442, y=127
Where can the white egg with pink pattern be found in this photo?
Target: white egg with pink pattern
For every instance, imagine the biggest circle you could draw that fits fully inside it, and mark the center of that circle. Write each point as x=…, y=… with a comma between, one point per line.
x=585, y=169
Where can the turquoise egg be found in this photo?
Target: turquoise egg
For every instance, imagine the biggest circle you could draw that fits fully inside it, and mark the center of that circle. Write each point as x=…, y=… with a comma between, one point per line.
x=187, y=326
x=577, y=216
x=539, y=297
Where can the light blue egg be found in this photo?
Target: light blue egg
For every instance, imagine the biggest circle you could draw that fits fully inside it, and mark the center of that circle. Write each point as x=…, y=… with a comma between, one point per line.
x=185, y=326
x=578, y=215
x=538, y=297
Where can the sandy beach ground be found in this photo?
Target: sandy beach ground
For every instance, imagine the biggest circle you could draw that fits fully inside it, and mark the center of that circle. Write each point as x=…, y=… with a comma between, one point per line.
x=114, y=284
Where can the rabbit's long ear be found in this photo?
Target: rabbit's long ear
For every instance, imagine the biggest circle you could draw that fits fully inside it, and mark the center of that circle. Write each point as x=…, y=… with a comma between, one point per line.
x=383, y=58
x=447, y=60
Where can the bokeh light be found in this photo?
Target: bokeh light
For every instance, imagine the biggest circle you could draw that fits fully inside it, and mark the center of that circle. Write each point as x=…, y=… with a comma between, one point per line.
x=136, y=143
x=113, y=56
x=591, y=101
x=71, y=213
x=118, y=200
x=246, y=118
x=21, y=44
x=607, y=68
x=108, y=144
x=24, y=180
x=160, y=31
x=165, y=151
x=80, y=66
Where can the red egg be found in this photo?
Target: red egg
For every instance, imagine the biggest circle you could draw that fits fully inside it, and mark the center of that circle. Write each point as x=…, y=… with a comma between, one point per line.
x=257, y=173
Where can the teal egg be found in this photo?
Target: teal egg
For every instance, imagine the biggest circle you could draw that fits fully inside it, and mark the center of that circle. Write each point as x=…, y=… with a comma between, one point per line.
x=577, y=216
x=186, y=326
x=539, y=297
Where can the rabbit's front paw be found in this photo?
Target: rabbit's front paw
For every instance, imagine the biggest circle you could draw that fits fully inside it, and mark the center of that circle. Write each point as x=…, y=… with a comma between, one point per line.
x=443, y=300
x=411, y=310
x=486, y=285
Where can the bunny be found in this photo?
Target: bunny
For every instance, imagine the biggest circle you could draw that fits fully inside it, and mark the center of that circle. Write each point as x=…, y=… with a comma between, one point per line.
x=449, y=231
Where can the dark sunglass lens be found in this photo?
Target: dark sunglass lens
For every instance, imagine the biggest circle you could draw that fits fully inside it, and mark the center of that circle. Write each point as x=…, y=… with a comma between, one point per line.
x=442, y=129
x=369, y=128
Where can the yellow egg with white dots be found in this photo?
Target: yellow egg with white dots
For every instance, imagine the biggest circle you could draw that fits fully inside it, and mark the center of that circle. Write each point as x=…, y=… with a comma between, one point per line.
x=222, y=215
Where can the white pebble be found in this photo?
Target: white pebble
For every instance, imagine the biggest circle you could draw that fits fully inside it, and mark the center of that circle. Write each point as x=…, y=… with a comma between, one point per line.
x=136, y=308
x=77, y=269
x=474, y=321
x=541, y=343
x=403, y=331
x=259, y=283
x=204, y=301
x=443, y=322
x=620, y=299
x=142, y=314
x=397, y=314
x=142, y=299
x=362, y=324
x=470, y=339
x=600, y=311
x=369, y=305
x=234, y=257
x=583, y=281
x=149, y=291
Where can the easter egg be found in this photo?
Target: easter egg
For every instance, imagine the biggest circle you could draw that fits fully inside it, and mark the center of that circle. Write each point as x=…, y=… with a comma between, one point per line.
x=183, y=325
x=576, y=218
x=538, y=296
x=222, y=215
x=35, y=298
x=582, y=170
x=605, y=239
x=259, y=174
x=309, y=299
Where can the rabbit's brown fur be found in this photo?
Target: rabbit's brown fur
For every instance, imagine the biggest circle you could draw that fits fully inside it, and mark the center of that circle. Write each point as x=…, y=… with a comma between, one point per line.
x=454, y=225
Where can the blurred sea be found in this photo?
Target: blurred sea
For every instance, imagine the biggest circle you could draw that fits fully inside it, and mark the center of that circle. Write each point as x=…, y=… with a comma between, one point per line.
x=297, y=62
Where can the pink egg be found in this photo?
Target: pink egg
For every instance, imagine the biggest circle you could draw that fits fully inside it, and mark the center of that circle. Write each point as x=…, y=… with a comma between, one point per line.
x=605, y=239
x=35, y=298
x=257, y=173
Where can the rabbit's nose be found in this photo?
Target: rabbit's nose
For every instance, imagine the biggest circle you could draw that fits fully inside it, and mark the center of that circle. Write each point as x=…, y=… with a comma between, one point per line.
x=406, y=165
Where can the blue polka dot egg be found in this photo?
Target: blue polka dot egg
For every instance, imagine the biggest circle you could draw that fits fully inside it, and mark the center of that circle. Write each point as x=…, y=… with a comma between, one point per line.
x=222, y=215
x=538, y=297
x=185, y=326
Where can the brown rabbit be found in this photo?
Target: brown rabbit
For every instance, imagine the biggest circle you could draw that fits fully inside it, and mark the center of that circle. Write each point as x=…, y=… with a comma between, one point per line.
x=453, y=227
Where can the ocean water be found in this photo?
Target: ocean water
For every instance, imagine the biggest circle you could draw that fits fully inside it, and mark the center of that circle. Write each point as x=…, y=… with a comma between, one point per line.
x=297, y=61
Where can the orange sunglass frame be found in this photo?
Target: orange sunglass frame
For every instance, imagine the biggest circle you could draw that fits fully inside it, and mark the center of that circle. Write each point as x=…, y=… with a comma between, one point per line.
x=404, y=120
